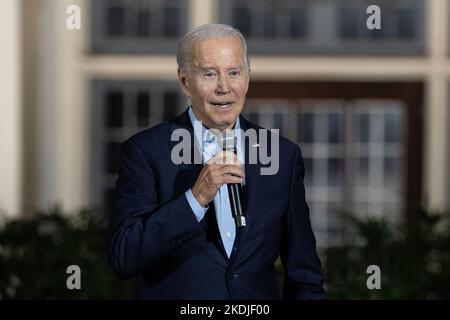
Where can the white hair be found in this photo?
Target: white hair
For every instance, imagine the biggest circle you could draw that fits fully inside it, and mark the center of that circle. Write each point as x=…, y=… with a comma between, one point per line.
x=207, y=32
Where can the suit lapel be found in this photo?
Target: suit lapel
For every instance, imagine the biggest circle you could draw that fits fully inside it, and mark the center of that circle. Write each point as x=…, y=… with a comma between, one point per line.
x=183, y=122
x=252, y=172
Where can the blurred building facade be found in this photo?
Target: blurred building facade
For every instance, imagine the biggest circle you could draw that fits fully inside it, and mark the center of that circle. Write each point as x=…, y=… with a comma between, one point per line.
x=369, y=108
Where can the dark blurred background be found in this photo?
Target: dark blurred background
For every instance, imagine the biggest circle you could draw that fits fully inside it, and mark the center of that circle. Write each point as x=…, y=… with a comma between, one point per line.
x=369, y=109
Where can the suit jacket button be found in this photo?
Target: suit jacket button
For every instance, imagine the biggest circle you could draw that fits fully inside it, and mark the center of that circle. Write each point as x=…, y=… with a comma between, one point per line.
x=233, y=276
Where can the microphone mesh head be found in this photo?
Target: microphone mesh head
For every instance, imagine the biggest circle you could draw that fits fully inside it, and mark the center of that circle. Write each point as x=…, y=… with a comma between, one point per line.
x=228, y=140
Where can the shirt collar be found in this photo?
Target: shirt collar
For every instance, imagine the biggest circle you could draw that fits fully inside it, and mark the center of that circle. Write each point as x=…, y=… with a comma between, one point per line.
x=199, y=134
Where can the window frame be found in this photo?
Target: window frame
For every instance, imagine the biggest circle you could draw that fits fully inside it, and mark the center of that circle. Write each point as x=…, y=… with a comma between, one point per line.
x=410, y=93
x=101, y=43
x=337, y=45
x=99, y=178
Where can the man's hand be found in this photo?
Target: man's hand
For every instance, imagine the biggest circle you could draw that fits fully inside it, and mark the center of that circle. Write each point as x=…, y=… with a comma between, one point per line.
x=222, y=169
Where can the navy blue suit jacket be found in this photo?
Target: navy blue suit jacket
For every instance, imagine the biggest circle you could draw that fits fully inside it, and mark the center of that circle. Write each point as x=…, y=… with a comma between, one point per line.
x=156, y=237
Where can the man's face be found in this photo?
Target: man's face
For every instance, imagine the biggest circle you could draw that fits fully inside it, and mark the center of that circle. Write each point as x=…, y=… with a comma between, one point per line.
x=217, y=83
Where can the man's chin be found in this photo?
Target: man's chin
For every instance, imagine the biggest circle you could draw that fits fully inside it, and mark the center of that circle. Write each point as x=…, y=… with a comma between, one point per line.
x=226, y=123
x=222, y=120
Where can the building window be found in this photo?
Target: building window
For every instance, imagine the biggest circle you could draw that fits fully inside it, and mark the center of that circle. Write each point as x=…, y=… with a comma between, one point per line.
x=139, y=26
x=270, y=19
x=353, y=152
x=121, y=109
x=266, y=22
x=327, y=26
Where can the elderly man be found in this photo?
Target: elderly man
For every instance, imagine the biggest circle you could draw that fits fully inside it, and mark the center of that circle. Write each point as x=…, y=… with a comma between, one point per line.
x=172, y=225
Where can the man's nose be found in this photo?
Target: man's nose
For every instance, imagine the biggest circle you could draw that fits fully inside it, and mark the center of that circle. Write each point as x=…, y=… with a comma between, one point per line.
x=222, y=86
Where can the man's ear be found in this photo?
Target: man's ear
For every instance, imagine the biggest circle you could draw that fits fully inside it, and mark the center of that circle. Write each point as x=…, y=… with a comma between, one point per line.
x=182, y=78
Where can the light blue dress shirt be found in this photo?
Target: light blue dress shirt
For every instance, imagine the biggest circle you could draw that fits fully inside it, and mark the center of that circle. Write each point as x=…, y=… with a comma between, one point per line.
x=222, y=206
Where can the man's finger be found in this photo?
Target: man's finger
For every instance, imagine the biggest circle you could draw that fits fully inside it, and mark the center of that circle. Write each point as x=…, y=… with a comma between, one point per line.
x=231, y=179
x=225, y=157
x=232, y=170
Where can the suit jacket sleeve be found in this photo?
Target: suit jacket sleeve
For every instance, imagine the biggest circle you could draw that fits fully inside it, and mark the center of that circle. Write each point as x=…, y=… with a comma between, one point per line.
x=144, y=232
x=303, y=275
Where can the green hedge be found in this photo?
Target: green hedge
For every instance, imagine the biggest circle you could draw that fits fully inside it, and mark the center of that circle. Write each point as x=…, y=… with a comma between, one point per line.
x=414, y=262
x=35, y=253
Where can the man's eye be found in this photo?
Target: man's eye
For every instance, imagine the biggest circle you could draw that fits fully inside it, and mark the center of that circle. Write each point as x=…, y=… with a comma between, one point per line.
x=209, y=74
x=234, y=73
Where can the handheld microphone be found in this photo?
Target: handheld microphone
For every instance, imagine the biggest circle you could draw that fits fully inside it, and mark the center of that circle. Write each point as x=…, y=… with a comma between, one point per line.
x=228, y=141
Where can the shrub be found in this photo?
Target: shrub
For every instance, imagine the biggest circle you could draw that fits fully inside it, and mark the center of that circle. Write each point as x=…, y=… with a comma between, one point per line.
x=35, y=253
x=414, y=262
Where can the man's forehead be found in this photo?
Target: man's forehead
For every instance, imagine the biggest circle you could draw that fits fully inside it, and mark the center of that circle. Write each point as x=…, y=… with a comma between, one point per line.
x=209, y=51
x=214, y=55
x=226, y=41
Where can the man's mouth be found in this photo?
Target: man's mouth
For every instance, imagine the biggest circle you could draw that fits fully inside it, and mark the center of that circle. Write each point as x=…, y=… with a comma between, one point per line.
x=224, y=105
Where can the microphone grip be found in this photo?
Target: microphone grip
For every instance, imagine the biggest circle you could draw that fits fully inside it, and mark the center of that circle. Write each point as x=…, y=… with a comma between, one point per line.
x=235, y=195
x=229, y=143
